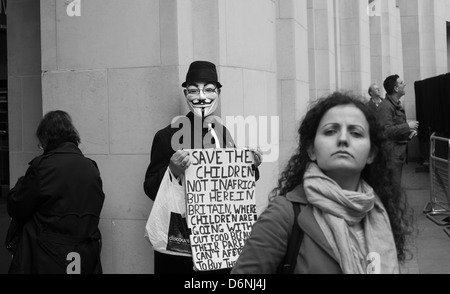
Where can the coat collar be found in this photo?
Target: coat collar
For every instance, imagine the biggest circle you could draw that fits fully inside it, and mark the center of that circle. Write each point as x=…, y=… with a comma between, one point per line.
x=307, y=221
x=65, y=147
x=396, y=105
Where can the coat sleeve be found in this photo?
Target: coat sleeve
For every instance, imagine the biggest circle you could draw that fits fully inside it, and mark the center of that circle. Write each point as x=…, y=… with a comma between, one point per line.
x=23, y=199
x=266, y=246
x=157, y=167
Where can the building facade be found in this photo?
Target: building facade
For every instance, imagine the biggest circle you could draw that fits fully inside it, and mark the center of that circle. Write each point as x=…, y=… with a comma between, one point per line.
x=117, y=67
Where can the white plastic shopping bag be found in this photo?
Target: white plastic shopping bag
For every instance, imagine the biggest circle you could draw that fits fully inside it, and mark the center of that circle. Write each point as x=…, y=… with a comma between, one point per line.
x=166, y=227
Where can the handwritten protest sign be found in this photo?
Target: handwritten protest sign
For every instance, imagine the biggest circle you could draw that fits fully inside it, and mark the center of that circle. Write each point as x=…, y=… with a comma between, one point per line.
x=221, y=205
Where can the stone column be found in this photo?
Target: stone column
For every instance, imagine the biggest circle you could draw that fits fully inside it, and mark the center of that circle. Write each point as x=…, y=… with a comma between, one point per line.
x=354, y=45
x=385, y=42
x=322, y=44
x=424, y=49
x=246, y=52
x=424, y=35
x=293, y=76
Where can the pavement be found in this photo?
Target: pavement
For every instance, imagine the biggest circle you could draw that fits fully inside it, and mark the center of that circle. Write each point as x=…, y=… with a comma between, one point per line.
x=430, y=245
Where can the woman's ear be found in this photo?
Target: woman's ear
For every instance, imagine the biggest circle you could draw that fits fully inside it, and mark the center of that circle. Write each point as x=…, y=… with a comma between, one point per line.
x=373, y=153
x=311, y=153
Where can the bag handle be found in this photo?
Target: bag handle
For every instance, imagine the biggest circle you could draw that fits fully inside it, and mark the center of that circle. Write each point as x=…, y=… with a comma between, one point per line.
x=290, y=259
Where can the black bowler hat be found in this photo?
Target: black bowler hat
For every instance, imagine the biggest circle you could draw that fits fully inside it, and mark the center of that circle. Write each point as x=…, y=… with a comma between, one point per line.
x=202, y=71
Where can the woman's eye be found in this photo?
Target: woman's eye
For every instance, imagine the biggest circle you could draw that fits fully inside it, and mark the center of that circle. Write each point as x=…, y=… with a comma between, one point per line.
x=330, y=132
x=357, y=134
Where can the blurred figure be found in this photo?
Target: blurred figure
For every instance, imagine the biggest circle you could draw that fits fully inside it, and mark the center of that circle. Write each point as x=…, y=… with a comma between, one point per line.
x=352, y=213
x=375, y=97
x=55, y=208
x=399, y=131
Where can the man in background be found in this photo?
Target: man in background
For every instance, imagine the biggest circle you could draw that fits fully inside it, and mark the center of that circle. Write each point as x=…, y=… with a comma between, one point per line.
x=375, y=97
x=399, y=131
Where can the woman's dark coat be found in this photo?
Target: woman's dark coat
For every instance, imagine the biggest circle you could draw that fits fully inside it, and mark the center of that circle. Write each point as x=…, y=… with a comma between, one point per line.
x=57, y=205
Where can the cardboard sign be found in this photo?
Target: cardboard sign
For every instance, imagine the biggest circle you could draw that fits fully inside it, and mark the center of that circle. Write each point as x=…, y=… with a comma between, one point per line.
x=221, y=205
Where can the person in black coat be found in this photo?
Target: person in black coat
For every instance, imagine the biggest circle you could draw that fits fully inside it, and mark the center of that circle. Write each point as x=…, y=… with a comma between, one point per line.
x=198, y=129
x=392, y=117
x=55, y=208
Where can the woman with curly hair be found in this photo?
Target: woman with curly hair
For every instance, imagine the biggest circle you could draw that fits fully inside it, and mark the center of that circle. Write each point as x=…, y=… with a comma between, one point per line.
x=353, y=215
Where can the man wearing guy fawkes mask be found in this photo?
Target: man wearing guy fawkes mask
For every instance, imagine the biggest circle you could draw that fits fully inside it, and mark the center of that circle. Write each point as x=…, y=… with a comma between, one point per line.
x=198, y=129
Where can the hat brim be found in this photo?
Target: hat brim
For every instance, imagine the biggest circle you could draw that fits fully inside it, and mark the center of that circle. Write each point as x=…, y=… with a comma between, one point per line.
x=219, y=85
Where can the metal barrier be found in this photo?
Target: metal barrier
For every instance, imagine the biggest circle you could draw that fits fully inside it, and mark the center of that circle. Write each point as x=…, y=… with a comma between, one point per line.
x=438, y=208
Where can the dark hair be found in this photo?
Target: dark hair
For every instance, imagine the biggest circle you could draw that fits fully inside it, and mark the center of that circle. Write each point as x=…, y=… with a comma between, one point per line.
x=378, y=174
x=55, y=128
x=390, y=83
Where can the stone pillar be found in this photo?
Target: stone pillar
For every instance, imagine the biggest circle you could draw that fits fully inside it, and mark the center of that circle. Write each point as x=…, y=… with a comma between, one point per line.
x=385, y=40
x=399, y=37
x=424, y=46
x=436, y=21
x=246, y=52
x=354, y=45
x=293, y=77
x=424, y=49
x=322, y=44
x=197, y=35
